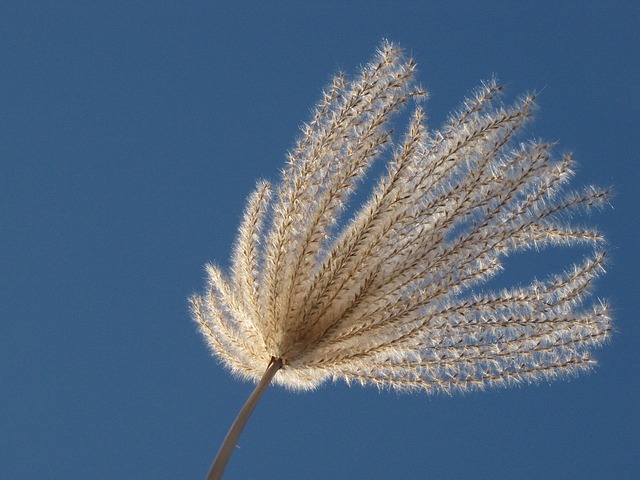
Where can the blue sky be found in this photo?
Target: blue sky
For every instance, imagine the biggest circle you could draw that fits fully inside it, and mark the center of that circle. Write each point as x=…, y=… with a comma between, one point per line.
x=130, y=136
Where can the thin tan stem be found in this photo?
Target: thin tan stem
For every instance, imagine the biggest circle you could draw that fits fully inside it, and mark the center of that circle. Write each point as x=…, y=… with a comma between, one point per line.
x=229, y=443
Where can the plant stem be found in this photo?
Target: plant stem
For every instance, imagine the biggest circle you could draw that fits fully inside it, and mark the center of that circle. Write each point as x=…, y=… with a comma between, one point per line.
x=229, y=443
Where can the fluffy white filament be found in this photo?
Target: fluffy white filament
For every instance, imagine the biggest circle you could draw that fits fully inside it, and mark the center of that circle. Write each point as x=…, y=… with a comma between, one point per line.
x=393, y=298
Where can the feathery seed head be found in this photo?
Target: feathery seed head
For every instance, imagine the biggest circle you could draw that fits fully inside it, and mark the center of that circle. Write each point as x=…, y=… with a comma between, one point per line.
x=392, y=298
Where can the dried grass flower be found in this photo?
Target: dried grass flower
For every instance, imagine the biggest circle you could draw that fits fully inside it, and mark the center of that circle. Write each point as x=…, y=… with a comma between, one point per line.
x=392, y=296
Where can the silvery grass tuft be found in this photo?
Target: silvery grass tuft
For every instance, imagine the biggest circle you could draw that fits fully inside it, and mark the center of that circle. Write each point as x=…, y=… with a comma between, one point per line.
x=391, y=296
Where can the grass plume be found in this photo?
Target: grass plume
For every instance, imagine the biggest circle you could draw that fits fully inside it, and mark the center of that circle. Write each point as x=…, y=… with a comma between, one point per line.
x=393, y=297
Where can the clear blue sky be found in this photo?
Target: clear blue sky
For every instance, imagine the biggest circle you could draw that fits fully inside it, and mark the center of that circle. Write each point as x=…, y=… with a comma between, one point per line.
x=130, y=135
